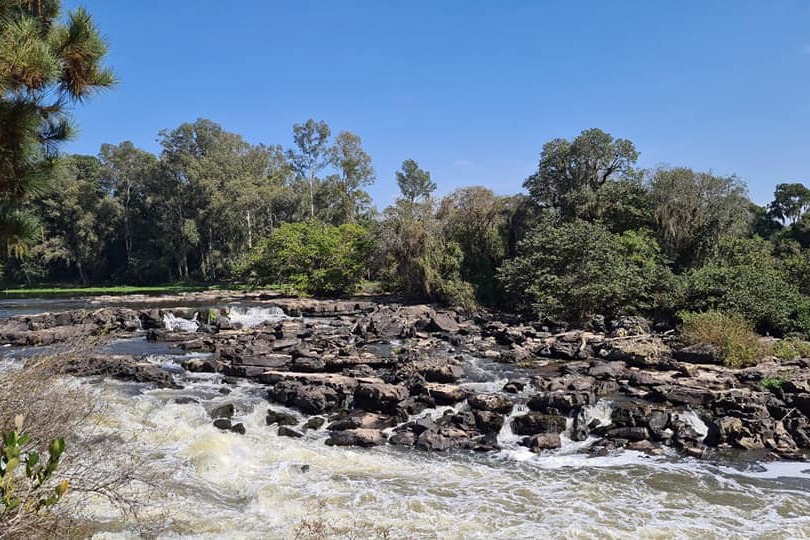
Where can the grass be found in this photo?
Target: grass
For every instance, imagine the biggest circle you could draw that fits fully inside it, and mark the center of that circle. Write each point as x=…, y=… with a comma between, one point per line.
x=732, y=336
x=119, y=289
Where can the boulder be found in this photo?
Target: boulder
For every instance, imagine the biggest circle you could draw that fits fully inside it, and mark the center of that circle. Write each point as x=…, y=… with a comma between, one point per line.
x=699, y=353
x=490, y=402
x=310, y=399
x=356, y=437
x=544, y=441
x=281, y=418
x=379, y=396
x=533, y=423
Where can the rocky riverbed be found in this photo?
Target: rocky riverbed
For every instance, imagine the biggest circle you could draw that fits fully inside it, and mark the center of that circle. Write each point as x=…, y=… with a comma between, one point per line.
x=416, y=376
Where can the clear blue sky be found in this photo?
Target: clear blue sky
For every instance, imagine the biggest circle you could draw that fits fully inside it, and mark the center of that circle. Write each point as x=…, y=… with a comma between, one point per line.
x=470, y=89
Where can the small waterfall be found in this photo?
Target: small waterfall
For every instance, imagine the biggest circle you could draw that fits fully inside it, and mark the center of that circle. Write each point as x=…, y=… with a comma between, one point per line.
x=254, y=316
x=507, y=437
x=179, y=324
x=691, y=418
x=600, y=411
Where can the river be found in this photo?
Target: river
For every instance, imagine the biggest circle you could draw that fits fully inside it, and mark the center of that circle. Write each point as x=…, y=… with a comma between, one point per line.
x=215, y=484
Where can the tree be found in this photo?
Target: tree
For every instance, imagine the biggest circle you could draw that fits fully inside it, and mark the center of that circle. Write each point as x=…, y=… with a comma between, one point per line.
x=312, y=257
x=790, y=202
x=570, y=271
x=414, y=182
x=313, y=155
x=354, y=173
x=45, y=66
x=125, y=171
x=476, y=219
x=570, y=172
x=694, y=210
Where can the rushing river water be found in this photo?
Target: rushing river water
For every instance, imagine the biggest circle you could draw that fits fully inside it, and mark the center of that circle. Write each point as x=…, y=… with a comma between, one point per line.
x=215, y=484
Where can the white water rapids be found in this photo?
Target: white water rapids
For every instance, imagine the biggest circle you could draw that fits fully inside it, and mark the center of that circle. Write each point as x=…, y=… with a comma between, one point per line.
x=218, y=484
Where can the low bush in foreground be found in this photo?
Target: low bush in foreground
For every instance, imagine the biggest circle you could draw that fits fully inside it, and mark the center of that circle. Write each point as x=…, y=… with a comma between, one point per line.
x=730, y=334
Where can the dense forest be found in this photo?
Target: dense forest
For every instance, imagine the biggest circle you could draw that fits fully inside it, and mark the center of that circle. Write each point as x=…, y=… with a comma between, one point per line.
x=594, y=235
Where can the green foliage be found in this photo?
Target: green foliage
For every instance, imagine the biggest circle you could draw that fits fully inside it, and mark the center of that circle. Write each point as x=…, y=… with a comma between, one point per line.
x=694, y=210
x=414, y=183
x=729, y=333
x=790, y=349
x=571, y=172
x=571, y=271
x=773, y=384
x=790, y=202
x=45, y=66
x=311, y=257
x=25, y=475
x=417, y=259
x=744, y=278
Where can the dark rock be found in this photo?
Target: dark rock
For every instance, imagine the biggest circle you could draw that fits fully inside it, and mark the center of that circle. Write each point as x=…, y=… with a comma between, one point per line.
x=281, y=418
x=445, y=394
x=238, y=428
x=286, y=431
x=379, y=396
x=513, y=387
x=629, y=433
x=222, y=411
x=488, y=421
x=402, y=438
x=545, y=441
x=490, y=402
x=356, y=437
x=308, y=399
x=441, y=322
x=223, y=424
x=562, y=402
x=316, y=422
x=535, y=422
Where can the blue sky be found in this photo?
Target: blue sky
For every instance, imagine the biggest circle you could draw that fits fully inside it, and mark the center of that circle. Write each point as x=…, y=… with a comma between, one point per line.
x=470, y=89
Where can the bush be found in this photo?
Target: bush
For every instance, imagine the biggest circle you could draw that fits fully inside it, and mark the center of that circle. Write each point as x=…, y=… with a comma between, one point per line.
x=571, y=271
x=729, y=333
x=311, y=257
x=790, y=349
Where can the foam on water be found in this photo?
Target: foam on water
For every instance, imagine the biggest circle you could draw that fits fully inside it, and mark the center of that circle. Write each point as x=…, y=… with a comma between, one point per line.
x=254, y=316
x=179, y=324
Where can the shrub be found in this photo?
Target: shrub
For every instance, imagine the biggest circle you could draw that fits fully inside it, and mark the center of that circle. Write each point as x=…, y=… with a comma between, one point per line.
x=311, y=257
x=729, y=333
x=791, y=348
x=26, y=484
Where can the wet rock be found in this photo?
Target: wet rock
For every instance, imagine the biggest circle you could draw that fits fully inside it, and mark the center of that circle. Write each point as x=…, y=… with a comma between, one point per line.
x=281, y=418
x=402, y=438
x=200, y=365
x=286, y=431
x=490, y=402
x=223, y=424
x=628, y=433
x=222, y=411
x=121, y=367
x=488, y=421
x=534, y=422
x=356, y=437
x=513, y=387
x=545, y=441
x=238, y=428
x=379, y=396
x=316, y=422
x=443, y=439
x=559, y=401
x=306, y=398
x=362, y=419
x=445, y=394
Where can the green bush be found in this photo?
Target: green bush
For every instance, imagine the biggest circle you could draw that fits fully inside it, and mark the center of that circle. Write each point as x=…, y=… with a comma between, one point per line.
x=311, y=257
x=571, y=271
x=729, y=333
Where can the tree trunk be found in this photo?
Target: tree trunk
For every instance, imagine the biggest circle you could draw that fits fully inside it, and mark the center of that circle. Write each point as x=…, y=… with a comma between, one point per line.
x=249, y=231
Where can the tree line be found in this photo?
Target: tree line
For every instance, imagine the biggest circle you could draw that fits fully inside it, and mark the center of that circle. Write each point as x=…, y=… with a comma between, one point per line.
x=593, y=234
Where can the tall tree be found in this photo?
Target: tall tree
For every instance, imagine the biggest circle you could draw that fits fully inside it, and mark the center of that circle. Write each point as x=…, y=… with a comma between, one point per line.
x=125, y=171
x=312, y=155
x=354, y=173
x=790, y=202
x=694, y=210
x=46, y=65
x=570, y=172
x=414, y=182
